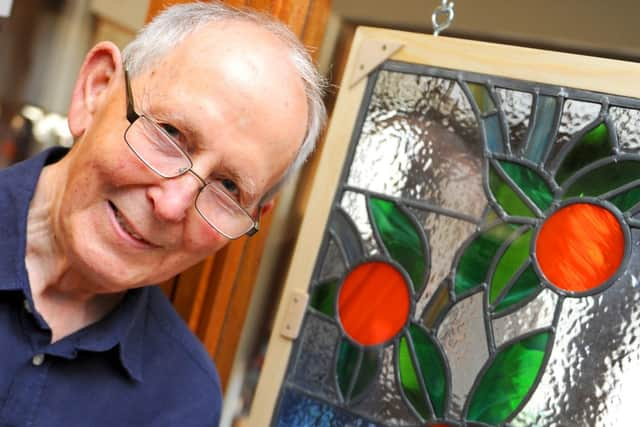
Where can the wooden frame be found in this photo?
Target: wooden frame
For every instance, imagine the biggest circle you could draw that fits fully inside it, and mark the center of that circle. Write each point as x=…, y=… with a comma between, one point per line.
x=370, y=48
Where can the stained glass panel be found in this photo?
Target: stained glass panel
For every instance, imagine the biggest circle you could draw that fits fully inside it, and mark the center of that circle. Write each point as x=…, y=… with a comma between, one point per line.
x=480, y=250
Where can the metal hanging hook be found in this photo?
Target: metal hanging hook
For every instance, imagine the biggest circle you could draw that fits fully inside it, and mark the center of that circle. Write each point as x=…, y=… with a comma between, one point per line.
x=442, y=17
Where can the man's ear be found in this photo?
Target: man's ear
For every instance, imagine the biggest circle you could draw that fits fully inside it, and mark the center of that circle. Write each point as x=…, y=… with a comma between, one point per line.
x=101, y=66
x=267, y=207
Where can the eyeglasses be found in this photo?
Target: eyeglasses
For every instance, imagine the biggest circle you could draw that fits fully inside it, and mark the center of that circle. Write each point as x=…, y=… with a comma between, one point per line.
x=151, y=143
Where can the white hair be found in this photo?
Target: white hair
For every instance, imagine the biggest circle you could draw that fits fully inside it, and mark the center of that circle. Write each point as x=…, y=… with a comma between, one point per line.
x=174, y=24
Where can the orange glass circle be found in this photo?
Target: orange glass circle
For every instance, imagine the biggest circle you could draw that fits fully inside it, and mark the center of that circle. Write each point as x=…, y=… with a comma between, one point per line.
x=580, y=247
x=374, y=302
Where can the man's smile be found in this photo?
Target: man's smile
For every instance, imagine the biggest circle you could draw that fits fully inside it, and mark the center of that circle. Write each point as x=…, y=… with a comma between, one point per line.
x=127, y=230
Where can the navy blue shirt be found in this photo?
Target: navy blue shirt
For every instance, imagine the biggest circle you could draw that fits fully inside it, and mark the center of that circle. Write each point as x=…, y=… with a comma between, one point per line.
x=138, y=366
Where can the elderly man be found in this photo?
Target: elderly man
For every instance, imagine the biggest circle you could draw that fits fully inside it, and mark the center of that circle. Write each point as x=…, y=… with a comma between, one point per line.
x=179, y=145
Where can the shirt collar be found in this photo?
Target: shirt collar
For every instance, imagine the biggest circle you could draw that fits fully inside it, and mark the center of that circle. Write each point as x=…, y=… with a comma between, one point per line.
x=17, y=185
x=124, y=327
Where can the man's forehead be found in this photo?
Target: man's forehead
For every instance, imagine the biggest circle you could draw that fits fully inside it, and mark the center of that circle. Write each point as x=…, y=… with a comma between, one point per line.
x=241, y=55
x=238, y=76
x=228, y=38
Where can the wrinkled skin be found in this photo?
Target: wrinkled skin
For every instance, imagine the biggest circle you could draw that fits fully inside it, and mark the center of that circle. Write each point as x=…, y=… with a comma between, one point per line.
x=240, y=109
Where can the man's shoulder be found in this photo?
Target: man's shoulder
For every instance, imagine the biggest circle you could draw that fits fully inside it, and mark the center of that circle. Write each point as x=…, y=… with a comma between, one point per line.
x=176, y=364
x=167, y=329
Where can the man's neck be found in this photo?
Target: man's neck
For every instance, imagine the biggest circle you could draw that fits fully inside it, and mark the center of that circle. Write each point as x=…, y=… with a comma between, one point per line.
x=61, y=294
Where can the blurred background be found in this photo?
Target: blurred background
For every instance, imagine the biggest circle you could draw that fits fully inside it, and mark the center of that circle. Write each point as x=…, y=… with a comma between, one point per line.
x=43, y=43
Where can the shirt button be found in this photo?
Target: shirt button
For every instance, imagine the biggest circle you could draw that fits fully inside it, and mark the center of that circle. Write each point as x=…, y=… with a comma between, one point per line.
x=38, y=359
x=27, y=306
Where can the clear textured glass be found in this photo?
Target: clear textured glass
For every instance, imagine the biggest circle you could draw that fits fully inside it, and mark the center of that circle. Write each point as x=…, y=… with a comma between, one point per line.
x=463, y=337
x=537, y=314
x=355, y=204
x=516, y=106
x=445, y=234
x=420, y=140
x=313, y=370
x=575, y=116
x=627, y=123
x=333, y=265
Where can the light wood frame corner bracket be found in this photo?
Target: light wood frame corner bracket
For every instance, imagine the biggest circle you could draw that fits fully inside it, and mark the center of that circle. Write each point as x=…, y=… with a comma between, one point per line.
x=370, y=54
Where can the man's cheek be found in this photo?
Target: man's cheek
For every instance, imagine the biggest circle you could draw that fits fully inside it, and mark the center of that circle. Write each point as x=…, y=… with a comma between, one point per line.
x=202, y=238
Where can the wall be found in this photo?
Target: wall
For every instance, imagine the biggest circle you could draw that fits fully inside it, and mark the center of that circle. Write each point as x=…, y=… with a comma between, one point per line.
x=608, y=28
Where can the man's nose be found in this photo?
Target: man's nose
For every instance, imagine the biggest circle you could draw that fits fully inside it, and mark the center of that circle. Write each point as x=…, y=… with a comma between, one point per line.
x=172, y=198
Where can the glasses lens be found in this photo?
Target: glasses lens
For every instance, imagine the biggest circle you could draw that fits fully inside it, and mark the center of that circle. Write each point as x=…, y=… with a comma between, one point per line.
x=222, y=212
x=156, y=149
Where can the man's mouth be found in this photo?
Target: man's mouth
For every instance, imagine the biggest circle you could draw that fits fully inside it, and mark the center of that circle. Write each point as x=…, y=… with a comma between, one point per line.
x=127, y=227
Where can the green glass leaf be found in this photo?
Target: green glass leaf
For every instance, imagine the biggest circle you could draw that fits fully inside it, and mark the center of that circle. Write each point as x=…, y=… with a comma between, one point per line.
x=508, y=380
x=323, y=297
x=474, y=262
x=531, y=184
x=482, y=97
x=525, y=287
x=506, y=197
x=510, y=262
x=594, y=145
x=356, y=369
x=431, y=366
x=409, y=380
x=604, y=179
x=626, y=199
x=401, y=238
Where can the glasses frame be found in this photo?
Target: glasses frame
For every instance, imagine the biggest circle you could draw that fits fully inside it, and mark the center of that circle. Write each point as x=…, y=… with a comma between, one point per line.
x=132, y=117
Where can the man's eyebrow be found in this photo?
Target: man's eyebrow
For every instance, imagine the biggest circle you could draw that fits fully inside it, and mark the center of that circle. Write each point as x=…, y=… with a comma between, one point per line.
x=248, y=192
x=247, y=188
